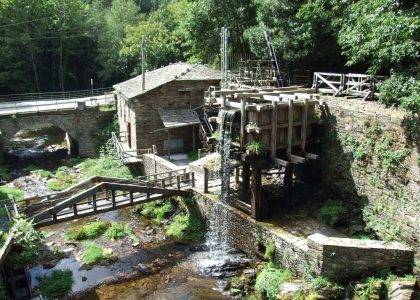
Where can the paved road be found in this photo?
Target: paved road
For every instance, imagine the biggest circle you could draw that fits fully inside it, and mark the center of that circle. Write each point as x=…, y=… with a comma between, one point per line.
x=32, y=106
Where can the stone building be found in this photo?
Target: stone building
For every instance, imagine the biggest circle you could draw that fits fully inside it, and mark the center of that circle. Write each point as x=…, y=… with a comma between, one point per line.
x=162, y=113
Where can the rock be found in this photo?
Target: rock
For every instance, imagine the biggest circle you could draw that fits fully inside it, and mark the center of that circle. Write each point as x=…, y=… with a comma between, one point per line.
x=84, y=278
x=401, y=290
x=113, y=258
x=107, y=251
x=290, y=290
x=50, y=264
x=68, y=251
x=143, y=269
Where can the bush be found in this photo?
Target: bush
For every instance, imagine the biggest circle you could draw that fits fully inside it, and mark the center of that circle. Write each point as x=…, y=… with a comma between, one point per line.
x=158, y=210
x=26, y=244
x=4, y=173
x=256, y=148
x=43, y=173
x=57, y=284
x=269, y=281
x=333, y=213
x=401, y=89
x=117, y=231
x=105, y=165
x=89, y=231
x=185, y=228
x=64, y=179
x=7, y=193
x=93, y=253
x=270, y=251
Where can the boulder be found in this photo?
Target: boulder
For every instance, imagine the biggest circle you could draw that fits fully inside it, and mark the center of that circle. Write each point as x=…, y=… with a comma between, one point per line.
x=401, y=290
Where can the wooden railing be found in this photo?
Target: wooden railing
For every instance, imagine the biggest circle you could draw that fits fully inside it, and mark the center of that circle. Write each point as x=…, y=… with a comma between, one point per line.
x=360, y=85
x=126, y=156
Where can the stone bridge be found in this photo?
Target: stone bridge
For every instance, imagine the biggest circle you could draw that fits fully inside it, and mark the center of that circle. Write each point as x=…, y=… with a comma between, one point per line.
x=78, y=124
x=77, y=113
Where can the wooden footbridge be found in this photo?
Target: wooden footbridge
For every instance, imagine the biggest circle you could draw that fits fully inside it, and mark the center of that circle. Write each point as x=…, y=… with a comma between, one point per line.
x=102, y=194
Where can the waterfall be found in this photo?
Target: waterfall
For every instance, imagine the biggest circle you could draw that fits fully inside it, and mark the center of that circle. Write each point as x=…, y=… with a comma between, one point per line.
x=224, y=149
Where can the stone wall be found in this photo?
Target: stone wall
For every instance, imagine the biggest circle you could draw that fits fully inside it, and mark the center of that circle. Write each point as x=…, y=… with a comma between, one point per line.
x=250, y=236
x=154, y=164
x=78, y=124
x=341, y=259
x=344, y=259
x=368, y=157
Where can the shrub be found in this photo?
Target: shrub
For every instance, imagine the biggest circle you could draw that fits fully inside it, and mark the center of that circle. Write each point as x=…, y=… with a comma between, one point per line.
x=186, y=227
x=26, y=244
x=157, y=210
x=333, y=213
x=117, y=231
x=270, y=251
x=57, y=284
x=89, y=231
x=256, y=148
x=43, y=173
x=4, y=173
x=7, y=193
x=269, y=281
x=93, y=253
x=105, y=165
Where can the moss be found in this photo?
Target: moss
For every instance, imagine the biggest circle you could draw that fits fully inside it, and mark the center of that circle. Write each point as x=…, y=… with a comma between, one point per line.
x=89, y=231
x=158, y=210
x=186, y=227
x=93, y=253
x=269, y=280
x=57, y=284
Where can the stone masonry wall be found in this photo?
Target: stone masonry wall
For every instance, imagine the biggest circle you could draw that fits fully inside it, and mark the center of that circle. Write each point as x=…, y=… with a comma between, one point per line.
x=368, y=157
x=345, y=259
x=154, y=164
x=78, y=124
x=248, y=235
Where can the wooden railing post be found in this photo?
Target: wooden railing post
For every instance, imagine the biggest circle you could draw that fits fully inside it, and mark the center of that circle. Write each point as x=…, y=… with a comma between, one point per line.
x=206, y=180
x=113, y=198
x=192, y=179
x=75, y=209
x=178, y=182
x=95, y=207
x=131, y=197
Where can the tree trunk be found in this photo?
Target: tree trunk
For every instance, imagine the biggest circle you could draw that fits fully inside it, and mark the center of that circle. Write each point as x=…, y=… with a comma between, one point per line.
x=34, y=67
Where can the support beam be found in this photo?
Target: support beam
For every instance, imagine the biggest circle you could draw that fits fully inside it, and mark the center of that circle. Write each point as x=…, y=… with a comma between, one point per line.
x=274, y=129
x=304, y=125
x=290, y=128
x=288, y=185
x=243, y=124
x=256, y=208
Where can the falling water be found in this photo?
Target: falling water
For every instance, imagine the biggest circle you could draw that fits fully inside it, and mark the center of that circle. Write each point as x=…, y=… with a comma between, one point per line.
x=224, y=148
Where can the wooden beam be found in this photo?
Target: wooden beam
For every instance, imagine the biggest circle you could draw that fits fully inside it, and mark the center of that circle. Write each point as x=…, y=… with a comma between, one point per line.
x=311, y=155
x=281, y=162
x=304, y=125
x=273, y=129
x=297, y=159
x=256, y=193
x=243, y=124
x=290, y=128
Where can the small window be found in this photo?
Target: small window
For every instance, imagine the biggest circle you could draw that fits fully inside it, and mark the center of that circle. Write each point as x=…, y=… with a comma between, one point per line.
x=184, y=92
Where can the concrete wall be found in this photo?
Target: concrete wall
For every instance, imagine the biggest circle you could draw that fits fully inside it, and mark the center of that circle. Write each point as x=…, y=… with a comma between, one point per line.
x=143, y=114
x=78, y=124
x=361, y=143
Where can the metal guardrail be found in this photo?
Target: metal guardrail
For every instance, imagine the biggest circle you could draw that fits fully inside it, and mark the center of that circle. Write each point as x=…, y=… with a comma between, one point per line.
x=123, y=155
x=53, y=96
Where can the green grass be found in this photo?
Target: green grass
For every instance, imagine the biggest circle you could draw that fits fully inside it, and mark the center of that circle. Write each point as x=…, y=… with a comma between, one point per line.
x=43, y=173
x=5, y=173
x=333, y=213
x=57, y=284
x=64, y=179
x=158, y=210
x=7, y=193
x=93, y=253
x=104, y=166
x=89, y=231
x=186, y=227
x=117, y=231
x=269, y=281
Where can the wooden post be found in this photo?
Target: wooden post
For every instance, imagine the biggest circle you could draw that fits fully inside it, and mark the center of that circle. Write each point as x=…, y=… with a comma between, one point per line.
x=304, y=125
x=192, y=179
x=288, y=184
x=274, y=129
x=163, y=182
x=206, y=180
x=113, y=198
x=131, y=197
x=246, y=174
x=243, y=124
x=237, y=175
x=95, y=207
x=75, y=209
x=54, y=216
x=193, y=136
x=178, y=182
x=256, y=192
x=290, y=128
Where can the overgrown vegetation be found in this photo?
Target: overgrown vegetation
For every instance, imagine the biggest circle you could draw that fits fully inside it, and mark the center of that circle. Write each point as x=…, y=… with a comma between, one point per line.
x=27, y=242
x=269, y=280
x=7, y=193
x=57, y=284
x=64, y=178
x=158, y=210
x=105, y=165
x=117, y=231
x=256, y=148
x=333, y=213
x=93, y=253
x=185, y=227
x=270, y=251
x=89, y=231
x=4, y=172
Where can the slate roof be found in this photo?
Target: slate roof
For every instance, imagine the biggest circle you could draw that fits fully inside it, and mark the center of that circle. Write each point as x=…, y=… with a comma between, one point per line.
x=178, y=71
x=173, y=118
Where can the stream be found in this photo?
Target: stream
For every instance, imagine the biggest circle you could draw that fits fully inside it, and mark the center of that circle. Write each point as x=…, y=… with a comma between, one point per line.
x=155, y=268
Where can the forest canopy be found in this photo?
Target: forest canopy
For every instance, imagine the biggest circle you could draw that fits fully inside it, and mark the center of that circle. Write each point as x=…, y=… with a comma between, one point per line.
x=57, y=45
